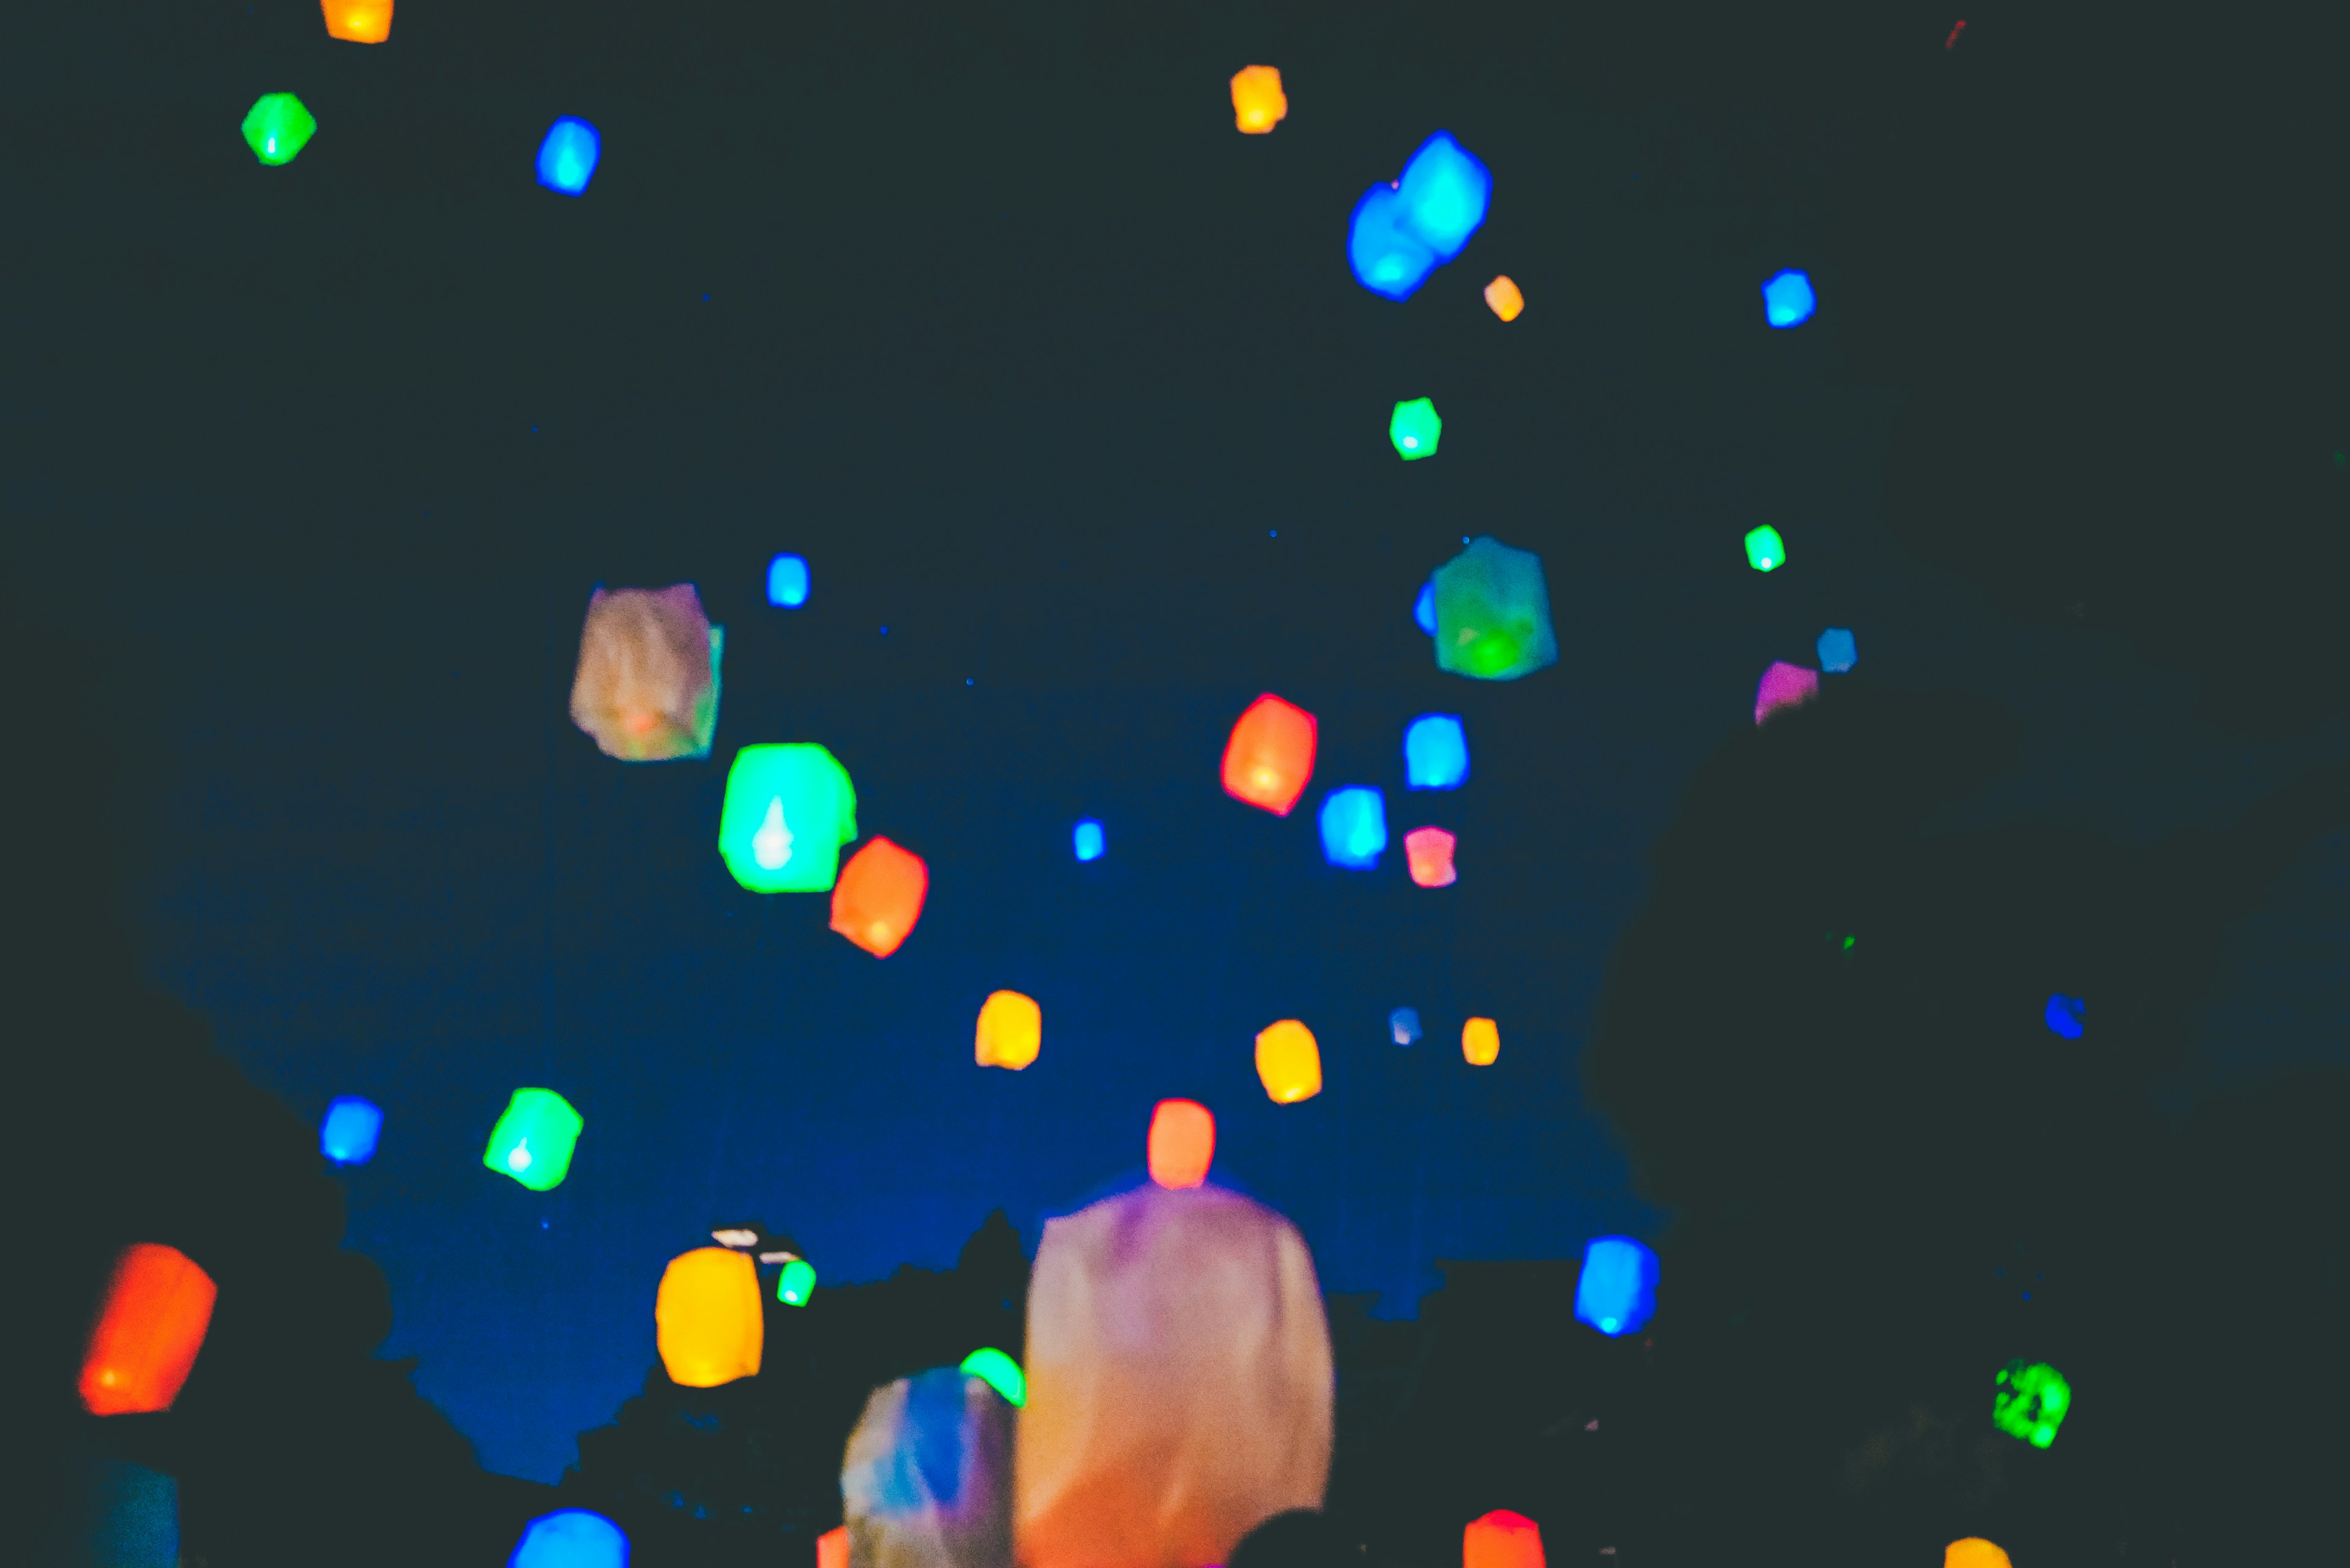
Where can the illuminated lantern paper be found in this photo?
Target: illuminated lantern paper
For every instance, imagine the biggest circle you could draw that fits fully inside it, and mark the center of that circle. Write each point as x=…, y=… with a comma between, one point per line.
x=1182, y=1144
x=1423, y=609
x=1010, y=1030
x=1258, y=102
x=1354, y=827
x=879, y=896
x=1765, y=551
x=1616, y=1291
x=571, y=1537
x=1429, y=852
x=711, y=1325
x=567, y=156
x=1504, y=298
x=534, y=1139
x=1088, y=840
x=2067, y=1015
x=1501, y=1539
x=1288, y=1062
x=1493, y=613
x=1435, y=753
x=1787, y=299
x=788, y=582
x=1001, y=1372
x=647, y=684
x=1403, y=1026
x=1975, y=1552
x=1383, y=253
x=796, y=1282
x=1784, y=685
x=2031, y=1402
x=1270, y=757
x=832, y=1548
x=1443, y=193
x=788, y=810
x=358, y=21
x=158, y=1305
x=348, y=1134
x=1179, y=1382
x=1480, y=1041
x=278, y=127
x=927, y=1479
x=1415, y=427
x=1837, y=650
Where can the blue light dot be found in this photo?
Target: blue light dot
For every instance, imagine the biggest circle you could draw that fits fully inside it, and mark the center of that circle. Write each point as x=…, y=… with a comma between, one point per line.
x=788, y=581
x=1088, y=839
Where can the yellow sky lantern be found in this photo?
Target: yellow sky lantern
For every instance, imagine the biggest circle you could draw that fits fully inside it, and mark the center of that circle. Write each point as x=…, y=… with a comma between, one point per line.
x=1503, y=295
x=358, y=21
x=1010, y=1030
x=1258, y=102
x=710, y=1324
x=1975, y=1552
x=1480, y=1041
x=1288, y=1062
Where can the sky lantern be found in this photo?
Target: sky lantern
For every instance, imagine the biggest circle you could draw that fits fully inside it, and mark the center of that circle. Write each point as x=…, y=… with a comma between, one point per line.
x=788, y=810
x=348, y=1133
x=1404, y=229
x=1010, y=1030
x=1616, y=1293
x=1270, y=757
x=796, y=1282
x=358, y=21
x=1480, y=1041
x=1088, y=840
x=1435, y=753
x=709, y=1322
x=2066, y=1016
x=1382, y=252
x=879, y=896
x=1288, y=1062
x=832, y=1548
x=1784, y=685
x=1428, y=851
x=1415, y=427
x=2031, y=1402
x=1001, y=1372
x=1501, y=1539
x=534, y=1139
x=646, y=688
x=1838, y=652
x=788, y=581
x=926, y=1477
x=1975, y=1552
x=1765, y=551
x=1403, y=1026
x=572, y=1538
x=1258, y=102
x=1504, y=298
x=278, y=127
x=1354, y=827
x=567, y=156
x=1493, y=613
x=144, y=1345
x=1423, y=609
x=1788, y=300
x=1180, y=1384
x=1182, y=1144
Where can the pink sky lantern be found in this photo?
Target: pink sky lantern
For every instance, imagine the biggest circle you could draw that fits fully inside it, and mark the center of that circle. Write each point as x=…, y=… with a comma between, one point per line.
x=1429, y=852
x=1784, y=686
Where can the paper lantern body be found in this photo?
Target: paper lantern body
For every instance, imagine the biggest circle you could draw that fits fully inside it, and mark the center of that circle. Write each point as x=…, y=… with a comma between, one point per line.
x=2066, y=1016
x=1443, y=193
x=711, y=1325
x=1481, y=1043
x=567, y=156
x=1354, y=827
x=278, y=127
x=348, y=1134
x=1765, y=551
x=144, y=1345
x=1788, y=300
x=1403, y=1026
x=1010, y=1030
x=1088, y=840
x=1414, y=428
x=796, y=1282
x=1975, y=1552
x=832, y=1548
x=1427, y=851
x=534, y=1139
x=2031, y=1402
x=1182, y=1144
x=1002, y=1375
x=1501, y=1539
x=571, y=1537
x=1504, y=299
x=647, y=684
x=1383, y=253
x=1179, y=1382
x=1288, y=1062
x=1838, y=652
x=1270, y=756
x=1616, y=1291
x=1784, y=685
x=358, y=21
x=1258, y=102
x=788, y=582
x=788, y=810
x=926, y=1479
x=1423, y=609
x=879, y=896
x=1435, y=753
x=1493, y=613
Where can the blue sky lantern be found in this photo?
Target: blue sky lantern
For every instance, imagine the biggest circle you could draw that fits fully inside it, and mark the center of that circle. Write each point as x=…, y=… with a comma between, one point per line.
x=1838, y=652
x=1787, y=299
x=1436, y=753
x=1616, y=1291
x=788, y=581
x=1354, y=827
x=1403, y=1026
x=568, y=155
x=2068, y=1015
x=1088, y=840
x=348, y=1133
x=1445, y=192
x=1386, y=257
x=1423, y=609
x=571, y=1537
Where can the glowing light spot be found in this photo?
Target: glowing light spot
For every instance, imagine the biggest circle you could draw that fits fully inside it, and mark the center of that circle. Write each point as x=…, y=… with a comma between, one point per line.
x=878, y=898
x=1428, y=854
x=358, y=21
x=772, y=845
x=519, y=1160
x=1501, y=1539
x=1784, y=685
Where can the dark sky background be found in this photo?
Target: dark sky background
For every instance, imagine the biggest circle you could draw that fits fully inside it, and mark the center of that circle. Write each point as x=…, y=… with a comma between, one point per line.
x=990, y=313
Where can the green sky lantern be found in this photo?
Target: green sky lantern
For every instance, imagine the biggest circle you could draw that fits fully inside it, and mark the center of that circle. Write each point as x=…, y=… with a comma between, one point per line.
x=1493, y=613
x=796, y=1282
x=1002, y=1373
x=1765, y=551
x=533, y=1141
x=1414, y=427
x=2031, y=1402
x=789, y=808
x=278, y=127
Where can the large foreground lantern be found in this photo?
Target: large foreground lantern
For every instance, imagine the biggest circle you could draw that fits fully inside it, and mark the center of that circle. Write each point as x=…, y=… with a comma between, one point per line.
x=158, y=1306
x=926, y=1481
x=1288, y=1062
x=534, y=1139
x=1493, y=613
x=788, y=810
x=1501, y=1539
x=709, y=1323
x=647, y=685
x=879, y=896
x=1270, y=756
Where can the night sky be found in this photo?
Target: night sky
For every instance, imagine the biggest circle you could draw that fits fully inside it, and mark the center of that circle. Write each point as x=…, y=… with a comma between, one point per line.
x=1063, y=389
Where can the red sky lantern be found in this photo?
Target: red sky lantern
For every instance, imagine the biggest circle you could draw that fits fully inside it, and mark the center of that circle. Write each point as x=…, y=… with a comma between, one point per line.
x=1182, y=1144
x=158, y=1306
x=1269, y=758
x=879, y=896
x=1501, y=1539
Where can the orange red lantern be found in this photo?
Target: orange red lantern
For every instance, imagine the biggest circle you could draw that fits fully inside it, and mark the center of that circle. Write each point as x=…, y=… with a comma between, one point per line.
x=1269, y=758
x=710, y=1324
x=879, y=896
x=159, y=1304
x=1975, y=1552
x=832, y=1548
x=1258, y=102
x=1288, y=1062
x=1182, y=1144
x=1501, y=1539
x=358, y=21
x=1011, y=1031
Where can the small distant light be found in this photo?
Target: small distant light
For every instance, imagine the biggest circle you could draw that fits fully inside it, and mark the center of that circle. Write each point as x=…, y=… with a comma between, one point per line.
x=1765, y=551
x=796, y=1282
x=2067, y=1015
x=788, y=582
x=567, y=156
x=1788, y=300
x=348, y=1134
x=1423, y=608
x=1088, y=839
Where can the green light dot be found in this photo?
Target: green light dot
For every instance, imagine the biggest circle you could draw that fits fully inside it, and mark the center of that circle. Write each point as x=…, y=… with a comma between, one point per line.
x=1002, y=1375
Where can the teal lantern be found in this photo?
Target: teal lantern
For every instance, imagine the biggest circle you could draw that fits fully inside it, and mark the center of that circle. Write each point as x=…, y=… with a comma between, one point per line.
x=2030, y=1402
x=278, y=127
x=788, y=810
x=1414, y=427
x=533, y=1141
x=1493, y=613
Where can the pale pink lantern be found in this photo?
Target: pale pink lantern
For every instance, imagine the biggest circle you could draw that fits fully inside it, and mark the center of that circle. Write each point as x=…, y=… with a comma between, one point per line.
x=1429, y=852
x=1784, y=686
